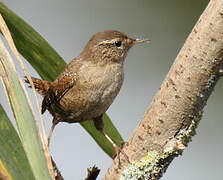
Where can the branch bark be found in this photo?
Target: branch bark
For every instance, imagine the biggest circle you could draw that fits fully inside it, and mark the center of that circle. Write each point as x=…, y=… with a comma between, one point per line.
x=176, y=110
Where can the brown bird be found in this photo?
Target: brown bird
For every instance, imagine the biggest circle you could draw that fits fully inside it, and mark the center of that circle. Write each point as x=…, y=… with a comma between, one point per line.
x=88, y=85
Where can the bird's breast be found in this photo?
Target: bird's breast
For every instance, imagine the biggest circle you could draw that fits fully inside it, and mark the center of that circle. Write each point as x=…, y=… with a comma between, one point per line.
x=94, y=92
x=103, y=83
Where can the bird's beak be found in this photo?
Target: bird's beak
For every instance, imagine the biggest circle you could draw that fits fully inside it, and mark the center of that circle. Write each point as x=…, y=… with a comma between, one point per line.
x=139, y=41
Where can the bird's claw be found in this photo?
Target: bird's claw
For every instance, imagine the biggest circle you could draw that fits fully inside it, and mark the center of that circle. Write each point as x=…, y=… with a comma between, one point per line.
x=119, y=150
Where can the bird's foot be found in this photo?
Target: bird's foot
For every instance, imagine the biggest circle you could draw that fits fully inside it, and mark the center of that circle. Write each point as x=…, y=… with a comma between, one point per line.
x=119, y=150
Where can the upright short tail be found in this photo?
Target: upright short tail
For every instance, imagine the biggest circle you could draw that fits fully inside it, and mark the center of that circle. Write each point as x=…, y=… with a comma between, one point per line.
x=41, y=86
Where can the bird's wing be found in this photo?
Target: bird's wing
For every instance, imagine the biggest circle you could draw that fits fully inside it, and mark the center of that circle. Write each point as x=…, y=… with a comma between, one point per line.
x=65, y=81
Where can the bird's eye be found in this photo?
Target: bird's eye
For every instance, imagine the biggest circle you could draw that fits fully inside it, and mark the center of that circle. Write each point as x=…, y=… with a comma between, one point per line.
x=118, y=43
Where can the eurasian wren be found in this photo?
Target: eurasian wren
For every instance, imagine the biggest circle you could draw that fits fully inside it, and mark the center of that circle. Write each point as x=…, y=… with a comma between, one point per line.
x=88, y=85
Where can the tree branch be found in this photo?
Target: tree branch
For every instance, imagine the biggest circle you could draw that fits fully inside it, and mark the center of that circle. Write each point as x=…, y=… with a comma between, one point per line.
x=176, y=110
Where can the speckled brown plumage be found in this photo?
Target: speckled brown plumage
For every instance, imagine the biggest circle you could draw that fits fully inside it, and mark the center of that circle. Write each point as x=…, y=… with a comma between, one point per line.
x=90, y=82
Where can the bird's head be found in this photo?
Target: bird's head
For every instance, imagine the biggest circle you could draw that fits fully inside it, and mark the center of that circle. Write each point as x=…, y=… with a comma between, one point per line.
x=109, y=46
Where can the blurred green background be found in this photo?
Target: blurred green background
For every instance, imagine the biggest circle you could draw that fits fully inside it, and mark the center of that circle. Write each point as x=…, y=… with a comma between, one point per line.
x=67, y=25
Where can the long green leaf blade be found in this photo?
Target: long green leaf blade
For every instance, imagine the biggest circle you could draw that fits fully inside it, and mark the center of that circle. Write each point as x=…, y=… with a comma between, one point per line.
x=49, y=64
x=24, y=118
x=88, y=125
x=12, y=154
x=32, y=46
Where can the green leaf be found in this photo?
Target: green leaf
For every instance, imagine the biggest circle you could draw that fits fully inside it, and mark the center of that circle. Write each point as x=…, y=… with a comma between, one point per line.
x=89, y=126
x=49, y=64
x=24, y=117
x=32, y=46
x=12, y=154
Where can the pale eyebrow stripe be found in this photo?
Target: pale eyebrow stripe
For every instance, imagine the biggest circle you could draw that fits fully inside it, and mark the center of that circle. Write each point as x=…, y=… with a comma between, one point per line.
x=108, y=41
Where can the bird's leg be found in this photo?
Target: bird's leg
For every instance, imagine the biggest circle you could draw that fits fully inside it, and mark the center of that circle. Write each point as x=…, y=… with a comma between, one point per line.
x=99, y=125
x=54, y=123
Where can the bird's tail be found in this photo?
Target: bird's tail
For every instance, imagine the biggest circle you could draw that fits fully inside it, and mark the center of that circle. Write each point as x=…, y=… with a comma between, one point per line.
x=41, y=86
